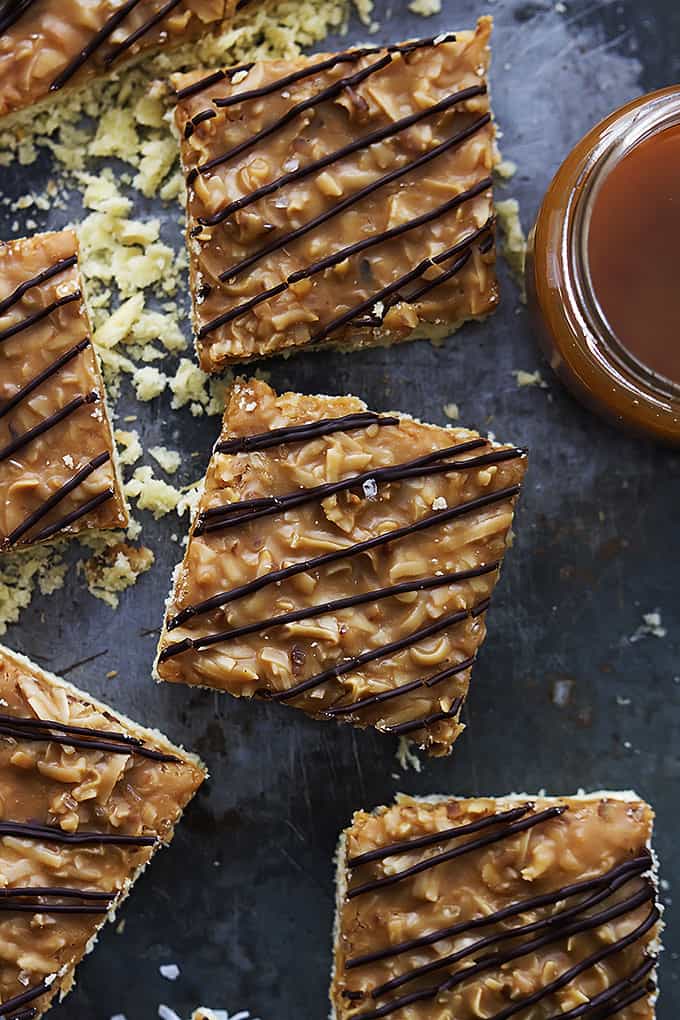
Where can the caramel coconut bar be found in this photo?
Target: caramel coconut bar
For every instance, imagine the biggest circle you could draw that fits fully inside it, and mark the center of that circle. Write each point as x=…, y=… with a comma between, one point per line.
x=540, y=909
x=57, y=456
x=340, y=199
x=342, y=561
x=87, y=798
x=48, y=45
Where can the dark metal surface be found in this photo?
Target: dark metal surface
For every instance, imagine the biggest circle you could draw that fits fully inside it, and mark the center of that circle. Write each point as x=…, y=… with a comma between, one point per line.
x=561, y=699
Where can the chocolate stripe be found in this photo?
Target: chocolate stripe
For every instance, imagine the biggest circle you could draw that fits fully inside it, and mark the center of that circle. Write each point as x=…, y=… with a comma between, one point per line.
x=75, y=515
x=229, y=514
x=635, y=866
x=121, y=48
x=392, y=288
x=60, y=891
x=97, y=40
x=42, y=377
x=36, y=281
x=26, y=1014
x=211, y=79
x=24, y=830
x=20, y=1000
x=274, y=576
x=55, y=499
x=450, y=855
x=605, y=997
x=335, y=210
x=11, y=16
x=392, y=648
x=359, y=145
x=303, y=433
x=18, y=732
x=84, y=731
x=48, y=423
x=395, y=692
x=350, y=82
x=349, y=56
x=497, y=960
x=356, y=249
x=51, y=908
x=425, y=584
x=558, y=918
x=409, y=845
x=31, y=320
x=424, y=722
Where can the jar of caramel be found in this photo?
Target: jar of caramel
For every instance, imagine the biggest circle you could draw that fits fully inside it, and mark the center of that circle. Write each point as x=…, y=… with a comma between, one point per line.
x=603, y=267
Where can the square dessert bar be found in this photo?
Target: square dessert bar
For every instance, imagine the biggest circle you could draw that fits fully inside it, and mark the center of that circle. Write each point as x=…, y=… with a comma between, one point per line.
x=47, y=45
x=57, y=456
x=342, y=561
x=536, y=908
x=342, y=199
x=87, y=798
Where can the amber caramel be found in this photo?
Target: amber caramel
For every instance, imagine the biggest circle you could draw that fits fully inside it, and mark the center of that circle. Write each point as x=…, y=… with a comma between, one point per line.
x=342, y=199
x=536, y=908
x=342, y=561
x=57, y=456
x=86, y=799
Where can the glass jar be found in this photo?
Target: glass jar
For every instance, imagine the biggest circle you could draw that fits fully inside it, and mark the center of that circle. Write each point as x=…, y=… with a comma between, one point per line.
x=578, y=341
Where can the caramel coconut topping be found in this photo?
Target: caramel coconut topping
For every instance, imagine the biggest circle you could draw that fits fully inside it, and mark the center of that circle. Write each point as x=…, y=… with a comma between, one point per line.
x=46, y=45
x=57, y=470
x=540, y=909
x=342, y=561
x=339, y=199
x=86, y=798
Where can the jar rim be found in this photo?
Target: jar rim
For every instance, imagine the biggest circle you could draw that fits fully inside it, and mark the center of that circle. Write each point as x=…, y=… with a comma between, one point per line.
x=620, y=136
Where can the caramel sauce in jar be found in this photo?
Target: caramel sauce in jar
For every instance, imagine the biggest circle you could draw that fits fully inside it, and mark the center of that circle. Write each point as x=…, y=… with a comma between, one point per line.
x=603, y=268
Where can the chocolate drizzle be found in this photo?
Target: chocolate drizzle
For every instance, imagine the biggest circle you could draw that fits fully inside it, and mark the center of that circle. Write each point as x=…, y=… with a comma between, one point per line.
x=350, y=82
x=56, y=498
x=48, y=423
x=358, y=145
x=220, y=517
x=425, y=584
x=635, y=866
x=303, y=433
x=31, y=320
x=50, y=731
x=605, y=998
x=11, y=1005
x=396, y=692
x=75, y=515
x=392, y=648
x=126, y=44
x=97, y=40
x=15, y=10
x=43, y=376
x=50, y=834
x=335, y=210
x=356, y=249
x=509, y=829
x=274, y=576
x=425, y=722
x=36, y=281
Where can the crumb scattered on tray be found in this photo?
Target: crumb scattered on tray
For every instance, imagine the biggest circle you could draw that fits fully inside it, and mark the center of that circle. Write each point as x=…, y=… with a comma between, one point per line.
x=529, y=379
x=651, y=626
x=425, y=7
x=513, y=245
x=407, y=757
x=115, y=570
x=452, y=411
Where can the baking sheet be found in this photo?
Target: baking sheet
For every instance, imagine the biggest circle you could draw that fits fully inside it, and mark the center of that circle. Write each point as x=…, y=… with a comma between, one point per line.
x=560, y=699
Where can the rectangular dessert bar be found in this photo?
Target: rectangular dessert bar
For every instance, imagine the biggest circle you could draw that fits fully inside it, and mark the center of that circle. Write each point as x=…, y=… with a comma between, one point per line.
x=343, y=199
x=342, y=561
x=87, y=798
x=58, y=473
x=537, y=908
x=48, y=45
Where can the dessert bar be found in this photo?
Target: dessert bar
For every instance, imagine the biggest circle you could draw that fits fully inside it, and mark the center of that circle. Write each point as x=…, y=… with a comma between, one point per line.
x=49, y=45
x=342, y=561
x=87, y=798
x=342, y=199
x=537, y=908
x=58, y=473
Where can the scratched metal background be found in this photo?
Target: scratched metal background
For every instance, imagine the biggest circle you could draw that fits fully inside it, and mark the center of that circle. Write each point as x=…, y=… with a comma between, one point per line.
x=561, y=699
